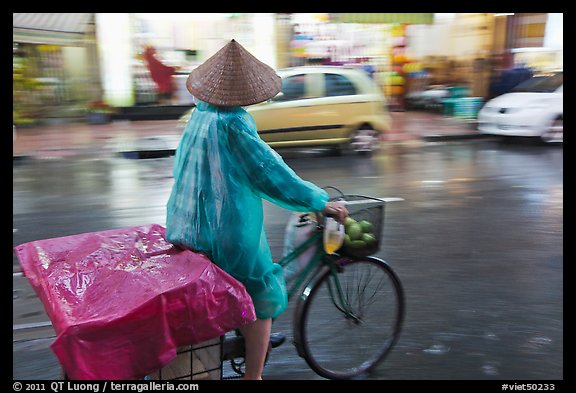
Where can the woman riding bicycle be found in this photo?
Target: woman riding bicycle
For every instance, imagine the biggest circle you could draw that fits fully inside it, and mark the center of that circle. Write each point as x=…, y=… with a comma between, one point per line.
x=222, y=170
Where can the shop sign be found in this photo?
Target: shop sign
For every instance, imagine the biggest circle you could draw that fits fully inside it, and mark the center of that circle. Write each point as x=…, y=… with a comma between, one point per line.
x=408, y=18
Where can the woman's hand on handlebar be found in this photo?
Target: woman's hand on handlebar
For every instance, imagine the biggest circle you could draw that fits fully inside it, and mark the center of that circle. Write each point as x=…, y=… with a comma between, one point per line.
x=336, y=210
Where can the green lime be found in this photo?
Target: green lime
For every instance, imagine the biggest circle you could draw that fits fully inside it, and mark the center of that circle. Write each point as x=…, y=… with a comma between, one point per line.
x=358, y=244
x=349, y=221
x=369, y=238
x=354, y=231
x=366, y=226
x=347, y=240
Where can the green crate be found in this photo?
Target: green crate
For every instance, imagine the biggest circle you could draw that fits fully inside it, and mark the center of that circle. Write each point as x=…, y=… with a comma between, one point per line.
x=467, y=107
x=458, y=91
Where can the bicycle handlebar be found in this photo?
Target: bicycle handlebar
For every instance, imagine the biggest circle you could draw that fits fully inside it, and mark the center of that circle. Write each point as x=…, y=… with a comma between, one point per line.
x=373, y=200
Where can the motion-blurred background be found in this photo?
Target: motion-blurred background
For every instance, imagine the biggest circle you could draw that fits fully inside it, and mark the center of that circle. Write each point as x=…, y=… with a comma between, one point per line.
x=69, y=65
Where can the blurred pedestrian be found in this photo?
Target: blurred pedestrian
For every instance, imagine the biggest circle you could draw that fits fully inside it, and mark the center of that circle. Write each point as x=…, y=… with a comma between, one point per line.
x=161, y=74
x=222, y=170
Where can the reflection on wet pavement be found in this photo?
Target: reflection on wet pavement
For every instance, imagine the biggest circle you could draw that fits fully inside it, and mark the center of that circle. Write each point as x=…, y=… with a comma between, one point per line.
x=477, y=243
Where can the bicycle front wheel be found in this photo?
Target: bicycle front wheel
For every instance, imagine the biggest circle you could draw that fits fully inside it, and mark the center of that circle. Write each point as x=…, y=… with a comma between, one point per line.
x=341, y=345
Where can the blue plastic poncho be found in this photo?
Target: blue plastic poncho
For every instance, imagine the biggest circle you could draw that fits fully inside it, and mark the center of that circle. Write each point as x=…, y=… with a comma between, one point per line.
x=222, y=170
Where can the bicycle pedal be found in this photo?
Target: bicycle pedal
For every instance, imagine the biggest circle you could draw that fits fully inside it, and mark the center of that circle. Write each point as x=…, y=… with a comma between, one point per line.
x=277, y=339
x=233, y=348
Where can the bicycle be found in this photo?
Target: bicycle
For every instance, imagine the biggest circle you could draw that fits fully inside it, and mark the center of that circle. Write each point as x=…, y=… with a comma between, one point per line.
x=362, y=292
x=349, y=310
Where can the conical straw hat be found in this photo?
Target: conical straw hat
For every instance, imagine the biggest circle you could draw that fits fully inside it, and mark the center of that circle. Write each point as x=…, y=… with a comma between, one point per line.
x=233, y=77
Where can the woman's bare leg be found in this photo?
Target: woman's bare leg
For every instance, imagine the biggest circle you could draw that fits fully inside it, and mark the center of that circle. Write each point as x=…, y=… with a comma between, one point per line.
x=256, y=338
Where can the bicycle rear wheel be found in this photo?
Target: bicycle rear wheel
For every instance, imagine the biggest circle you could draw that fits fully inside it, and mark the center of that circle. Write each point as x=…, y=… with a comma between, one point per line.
x=337, y=346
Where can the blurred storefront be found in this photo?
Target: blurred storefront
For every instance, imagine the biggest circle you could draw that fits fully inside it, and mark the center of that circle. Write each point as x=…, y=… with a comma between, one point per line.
x=63, y=61
x=181, y=40
x=369, y=41
x=473, y=50
x=55, y=70
x=83, y=62
x=375, y=42
x=402, y=51
x=455, y=51
x=536, y=40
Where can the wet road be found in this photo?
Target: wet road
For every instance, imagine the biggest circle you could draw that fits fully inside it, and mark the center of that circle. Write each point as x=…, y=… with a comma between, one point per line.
x=477, y=243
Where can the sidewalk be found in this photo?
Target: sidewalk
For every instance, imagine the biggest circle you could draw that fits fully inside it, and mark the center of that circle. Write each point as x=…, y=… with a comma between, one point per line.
x=428, y=126
x=72, y=139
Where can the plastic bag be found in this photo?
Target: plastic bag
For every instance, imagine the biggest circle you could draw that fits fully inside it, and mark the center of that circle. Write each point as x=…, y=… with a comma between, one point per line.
x=333, y=235
x=300, y=227
x=122, y=301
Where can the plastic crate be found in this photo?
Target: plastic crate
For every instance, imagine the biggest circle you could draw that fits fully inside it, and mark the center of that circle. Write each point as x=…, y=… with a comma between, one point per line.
x=467, y=107
x=448, y=106
x=194, y=362
x=463, y=107
x=458, y=91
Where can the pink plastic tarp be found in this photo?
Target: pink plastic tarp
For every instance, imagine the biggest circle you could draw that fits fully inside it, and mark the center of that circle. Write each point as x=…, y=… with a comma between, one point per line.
x=122, y=301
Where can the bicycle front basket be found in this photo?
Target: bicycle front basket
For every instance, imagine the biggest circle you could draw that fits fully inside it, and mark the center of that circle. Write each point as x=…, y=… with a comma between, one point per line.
x=364, y=231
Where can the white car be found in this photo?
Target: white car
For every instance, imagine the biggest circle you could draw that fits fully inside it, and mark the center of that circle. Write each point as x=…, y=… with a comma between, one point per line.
x=534, y=108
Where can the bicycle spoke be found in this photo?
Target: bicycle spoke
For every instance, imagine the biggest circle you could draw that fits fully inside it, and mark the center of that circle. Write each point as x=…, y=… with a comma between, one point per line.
x=358, y=294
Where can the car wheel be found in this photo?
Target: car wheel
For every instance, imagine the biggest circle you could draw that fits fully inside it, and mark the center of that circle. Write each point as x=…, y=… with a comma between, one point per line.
x=364, y=140
x=555, y=132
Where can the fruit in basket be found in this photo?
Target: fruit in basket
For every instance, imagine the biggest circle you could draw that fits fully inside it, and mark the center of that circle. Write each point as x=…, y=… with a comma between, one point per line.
x=349, y=221
x=354, y=231
x=357, y=244
x=347, y=242
x=367, y=226
x=368, y=238
x=358, y=235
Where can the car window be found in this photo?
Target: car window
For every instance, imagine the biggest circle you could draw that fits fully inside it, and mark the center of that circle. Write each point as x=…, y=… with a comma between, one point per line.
x=293, y=88
x=338, y=85
x=541, y=84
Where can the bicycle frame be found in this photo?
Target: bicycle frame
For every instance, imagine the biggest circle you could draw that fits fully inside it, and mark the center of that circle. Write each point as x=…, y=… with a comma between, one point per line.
x=315, y=271
x=317, y=263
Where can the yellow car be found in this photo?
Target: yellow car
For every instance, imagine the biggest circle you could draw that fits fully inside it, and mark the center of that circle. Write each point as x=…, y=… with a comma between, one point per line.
x=329, y=106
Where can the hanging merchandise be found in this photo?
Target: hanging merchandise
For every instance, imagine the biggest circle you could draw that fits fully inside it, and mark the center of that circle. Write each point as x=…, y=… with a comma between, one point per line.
x=396, y=80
